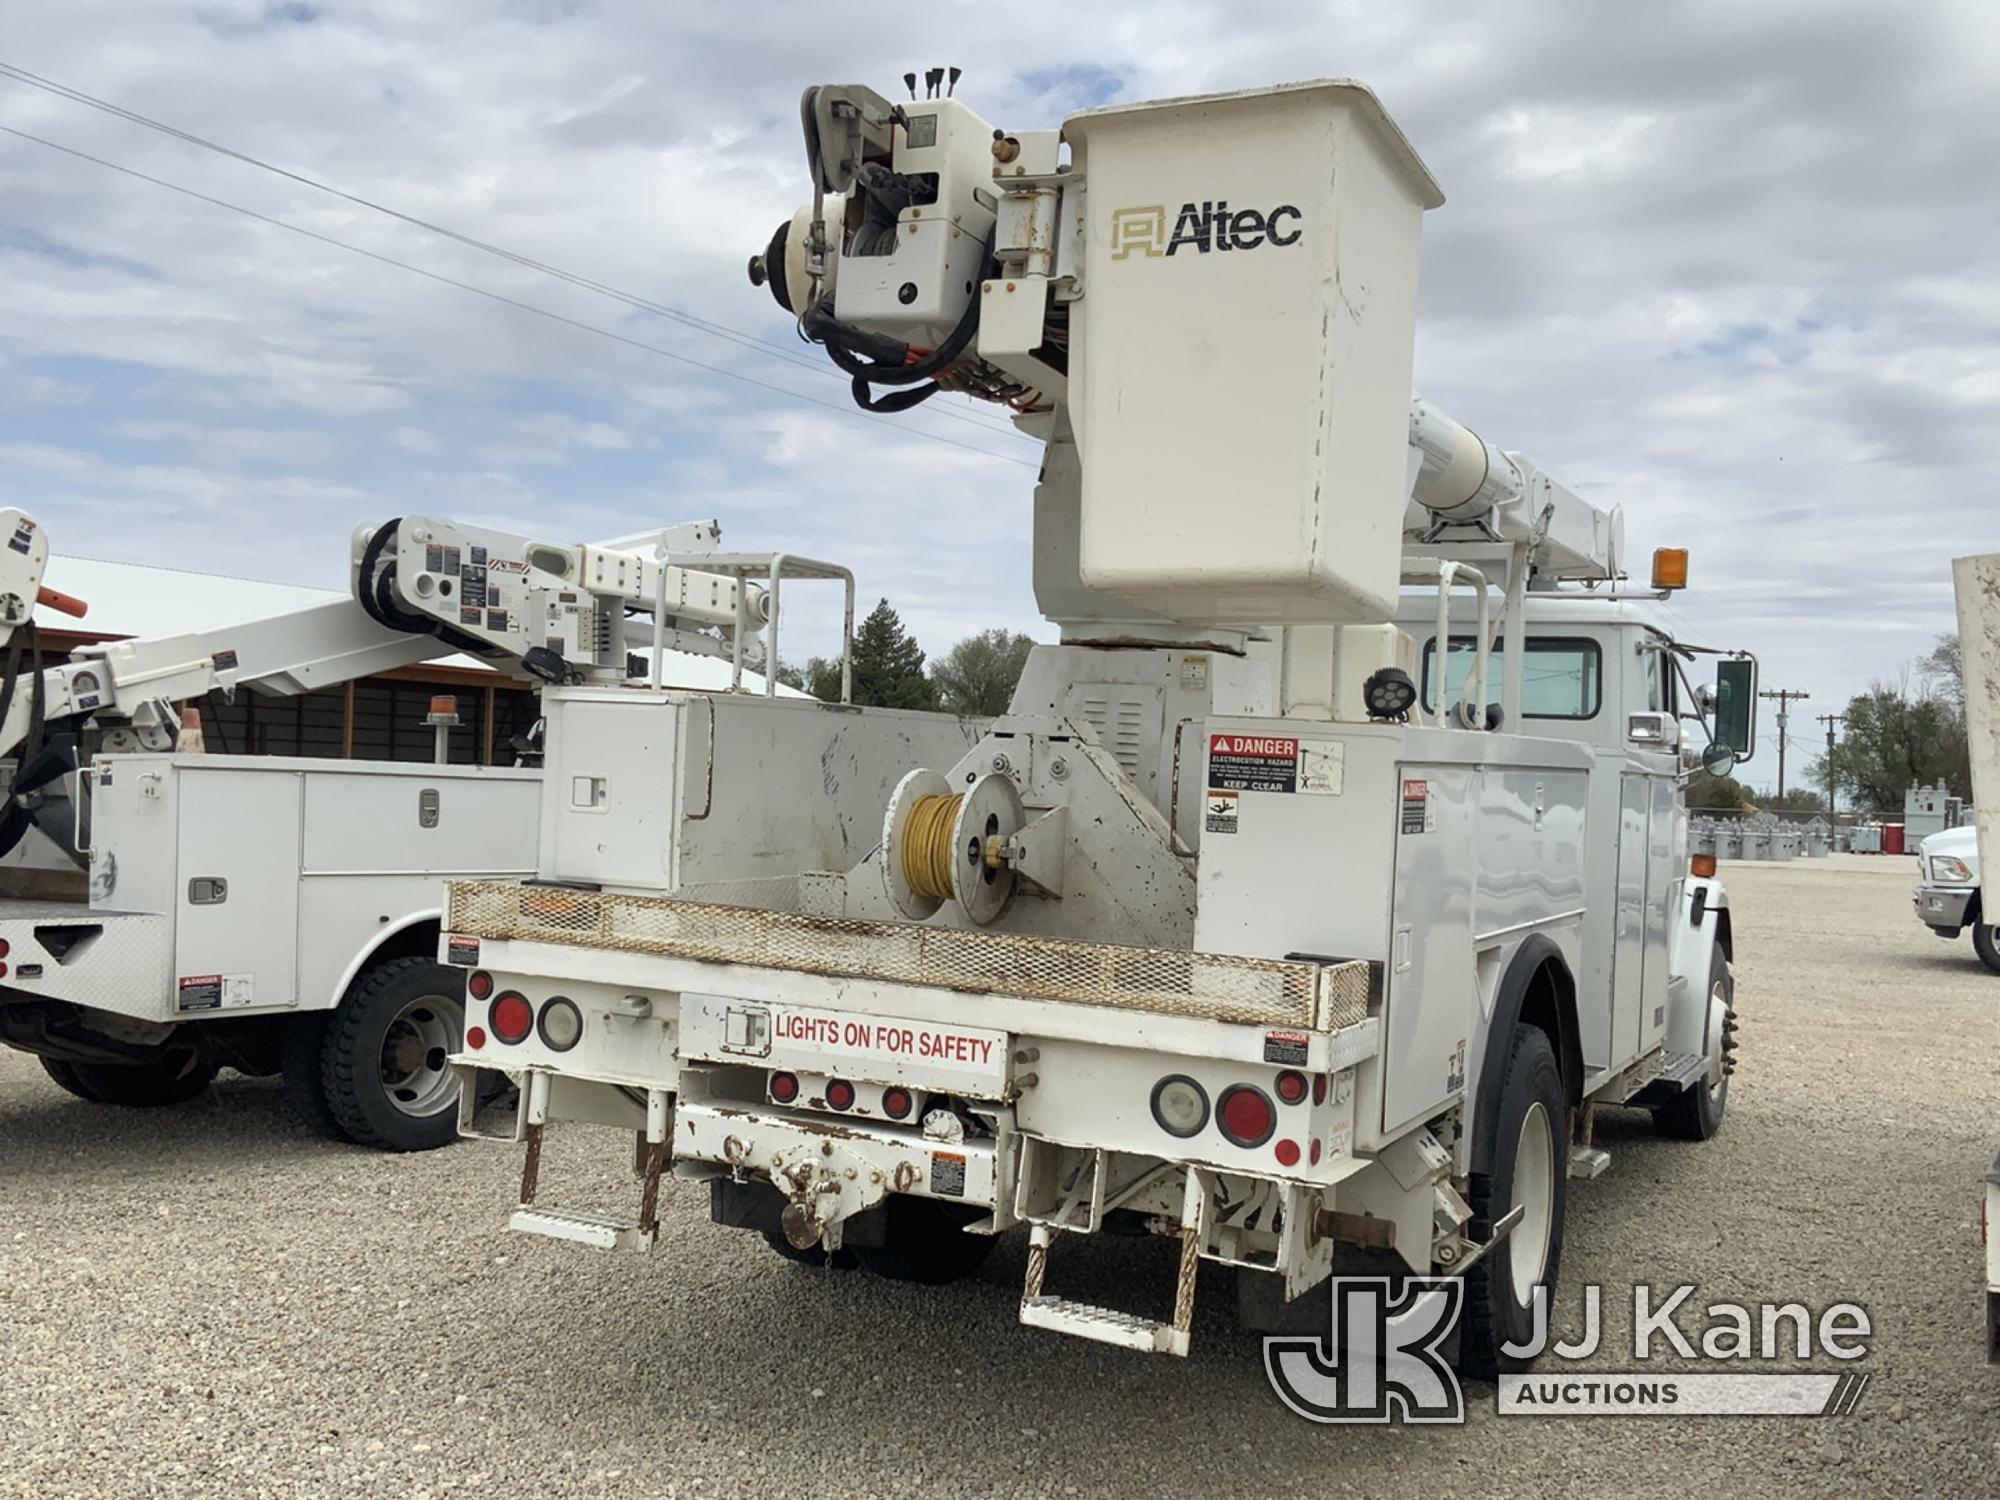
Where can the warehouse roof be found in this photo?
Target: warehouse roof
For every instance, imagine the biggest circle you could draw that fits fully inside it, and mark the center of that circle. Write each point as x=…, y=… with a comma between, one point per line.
x=140, y=599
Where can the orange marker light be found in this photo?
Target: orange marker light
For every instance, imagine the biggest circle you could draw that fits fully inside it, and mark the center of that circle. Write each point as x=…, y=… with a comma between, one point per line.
x=1702, y=867
x=1670, y=568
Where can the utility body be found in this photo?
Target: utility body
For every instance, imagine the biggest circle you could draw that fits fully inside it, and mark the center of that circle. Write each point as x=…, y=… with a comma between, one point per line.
x=1317, y=886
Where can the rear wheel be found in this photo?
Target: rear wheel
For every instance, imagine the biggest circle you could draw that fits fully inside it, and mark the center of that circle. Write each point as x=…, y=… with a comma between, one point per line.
x=1695, y=1113
x=63, y=1075
x=1529, y=1170
x=383, y=1073
x=301, y=1070
x=1986, y=940
x=172, y=1079
x=925, y=1242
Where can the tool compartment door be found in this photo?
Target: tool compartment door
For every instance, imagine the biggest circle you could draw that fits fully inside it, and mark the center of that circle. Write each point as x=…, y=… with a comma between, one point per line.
x=236, y=899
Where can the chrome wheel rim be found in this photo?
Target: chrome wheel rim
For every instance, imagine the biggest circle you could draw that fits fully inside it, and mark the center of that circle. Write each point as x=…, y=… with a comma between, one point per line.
x=1534, y=1195
x=420, y=1036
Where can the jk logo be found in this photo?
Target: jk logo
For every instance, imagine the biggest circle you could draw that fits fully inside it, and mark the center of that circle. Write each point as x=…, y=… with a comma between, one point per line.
x=1380, y=1359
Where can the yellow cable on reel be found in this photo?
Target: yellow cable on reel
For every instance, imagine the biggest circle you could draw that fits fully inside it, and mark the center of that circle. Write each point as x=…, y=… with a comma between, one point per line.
x=927, y=847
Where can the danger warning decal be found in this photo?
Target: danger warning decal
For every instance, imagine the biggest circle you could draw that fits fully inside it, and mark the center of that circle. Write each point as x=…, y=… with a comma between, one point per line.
x=195, y=992
x=1417, y=814
x=1275, y=763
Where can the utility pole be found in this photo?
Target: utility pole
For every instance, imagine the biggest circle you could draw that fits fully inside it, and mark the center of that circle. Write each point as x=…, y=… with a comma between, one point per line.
x=1832, y=800
x=1786, y=698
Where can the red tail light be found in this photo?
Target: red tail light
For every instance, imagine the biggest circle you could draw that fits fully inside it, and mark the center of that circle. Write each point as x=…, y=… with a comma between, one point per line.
x=479, y=984
x=1245, y=1115
x=897, y=1103
x=1287, y=1153
x=1292, y=1087
x=784, y=1087
x=5, y=947
x=511, y=1017
x=839, y=1094
x=475, y=1037
x=1319, y=1088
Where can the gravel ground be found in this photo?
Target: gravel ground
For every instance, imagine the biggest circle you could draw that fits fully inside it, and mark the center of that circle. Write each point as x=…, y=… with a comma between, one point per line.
x=208, y=1301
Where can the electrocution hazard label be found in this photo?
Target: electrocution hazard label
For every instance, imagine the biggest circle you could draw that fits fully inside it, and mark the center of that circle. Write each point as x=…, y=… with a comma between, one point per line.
x=1275, y=763
x=1253, y=763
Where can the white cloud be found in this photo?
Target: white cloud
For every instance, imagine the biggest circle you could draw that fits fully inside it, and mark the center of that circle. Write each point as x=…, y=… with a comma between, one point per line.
x=1686, y=263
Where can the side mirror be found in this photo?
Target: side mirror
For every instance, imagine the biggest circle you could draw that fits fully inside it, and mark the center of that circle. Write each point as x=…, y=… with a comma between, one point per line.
x=1735, y=719
x=1717, y=757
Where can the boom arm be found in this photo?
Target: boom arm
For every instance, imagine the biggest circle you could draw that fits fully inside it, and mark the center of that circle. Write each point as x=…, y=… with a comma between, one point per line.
x=423, y=588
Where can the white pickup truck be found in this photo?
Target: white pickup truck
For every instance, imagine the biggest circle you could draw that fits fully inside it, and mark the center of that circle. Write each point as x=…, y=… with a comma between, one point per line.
x=1947, y=895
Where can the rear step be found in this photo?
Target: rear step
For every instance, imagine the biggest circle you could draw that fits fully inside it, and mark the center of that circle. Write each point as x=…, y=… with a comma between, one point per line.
x=1106, y=1325
x=599, y=1231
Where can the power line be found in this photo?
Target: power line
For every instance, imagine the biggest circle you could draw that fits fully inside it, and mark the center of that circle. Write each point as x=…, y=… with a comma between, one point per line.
x=501, y=297
x=737, y=336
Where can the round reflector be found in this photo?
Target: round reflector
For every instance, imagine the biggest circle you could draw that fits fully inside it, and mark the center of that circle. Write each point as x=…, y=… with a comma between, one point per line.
x=1180, y=1106
x=839, y=1094
x=1245, y=1115
x=1315, y=1153
x=479, y=984
x=897, y=1103
x=511, y=1017
x=784, y=1087
x=1319, y=1088
x=475, y=1037
x=1292, y=1087
x=561, y=1024
x=5, y=947
x=1287, y=1153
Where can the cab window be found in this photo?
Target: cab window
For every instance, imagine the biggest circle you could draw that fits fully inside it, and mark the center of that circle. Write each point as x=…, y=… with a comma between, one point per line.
x=1561, y=678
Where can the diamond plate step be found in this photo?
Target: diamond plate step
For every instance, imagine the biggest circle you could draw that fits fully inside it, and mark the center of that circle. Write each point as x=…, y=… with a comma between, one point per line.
x=598, y=1231
x=1104, y=1325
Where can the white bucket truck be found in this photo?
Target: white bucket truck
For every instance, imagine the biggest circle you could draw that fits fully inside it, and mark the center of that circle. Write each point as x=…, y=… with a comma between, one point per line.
x=279, y=914
x=1250, y=924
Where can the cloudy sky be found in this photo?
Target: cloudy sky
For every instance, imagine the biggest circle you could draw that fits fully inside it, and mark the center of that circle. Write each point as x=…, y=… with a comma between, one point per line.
x=1732, y=265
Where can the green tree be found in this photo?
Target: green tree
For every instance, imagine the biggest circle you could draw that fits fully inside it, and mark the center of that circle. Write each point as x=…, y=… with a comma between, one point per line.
x=1797, y=799
x=977, y=676
x=1898, y=734
x=888, y=666
x=1708, y=793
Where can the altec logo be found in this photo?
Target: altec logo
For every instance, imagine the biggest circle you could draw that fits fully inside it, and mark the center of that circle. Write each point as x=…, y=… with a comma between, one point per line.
x=1202, y=227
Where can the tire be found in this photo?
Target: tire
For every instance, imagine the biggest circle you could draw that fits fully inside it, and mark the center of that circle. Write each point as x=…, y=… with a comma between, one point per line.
x=1986, y=942
x=301, y=1071
x=173, y=1079
x=925, y=1242
x=1530, y=1155
x=63, y=1076
x=382, y=1071
x=1695, y=1113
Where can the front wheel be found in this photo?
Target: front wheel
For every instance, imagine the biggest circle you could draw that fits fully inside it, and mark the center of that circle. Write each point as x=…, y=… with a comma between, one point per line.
x=1986, y=940
x=172, y=1079
x=1695, y=1113
x=383, y=1073
x=1529, y=1169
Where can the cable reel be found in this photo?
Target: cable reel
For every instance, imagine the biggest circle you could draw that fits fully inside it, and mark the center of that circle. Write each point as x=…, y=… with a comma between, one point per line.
x=939, y=845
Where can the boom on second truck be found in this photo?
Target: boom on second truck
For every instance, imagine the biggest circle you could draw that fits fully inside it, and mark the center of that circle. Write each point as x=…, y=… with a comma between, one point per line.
x=280, y=913
x=1297, y=919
